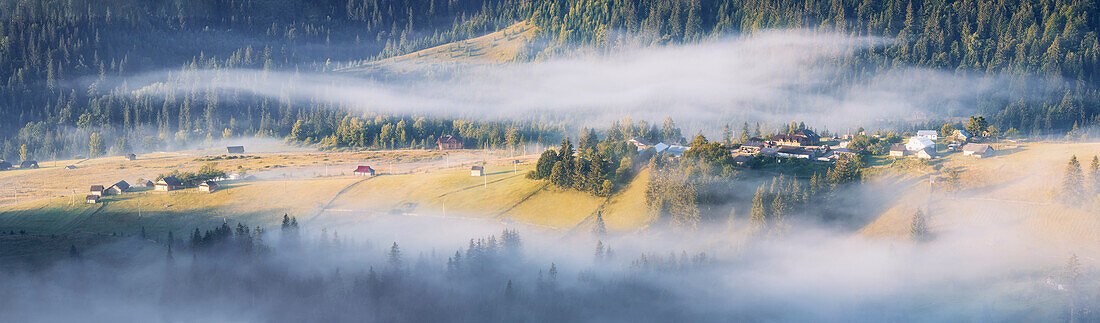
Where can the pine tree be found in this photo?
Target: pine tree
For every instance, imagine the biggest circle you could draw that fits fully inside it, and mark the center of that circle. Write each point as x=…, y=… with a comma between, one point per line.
x=394, y=256
x=599, y=229
x=918, y=228
x=96, y=146
x=600, y=252
x=727, y=135
x=759, y=213
x=1072, y=183
x=1094, y=176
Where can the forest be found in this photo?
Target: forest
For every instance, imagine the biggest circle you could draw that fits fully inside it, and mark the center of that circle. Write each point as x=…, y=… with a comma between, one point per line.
x=61, y=61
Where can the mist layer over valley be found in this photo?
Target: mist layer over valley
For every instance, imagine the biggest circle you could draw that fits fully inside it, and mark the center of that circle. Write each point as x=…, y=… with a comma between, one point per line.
x=549, y=161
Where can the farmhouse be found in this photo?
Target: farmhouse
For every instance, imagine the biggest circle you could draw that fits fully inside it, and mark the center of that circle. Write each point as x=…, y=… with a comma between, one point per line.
x=208, y=186
x=131, y=157
x=640, y=143
x=146, y=183
x=4, y=165
x=978, y=150
x=28, y=164
x=751, y=147
x=118, y=188
x=91, y=199
x=919, y=143
x=477, y=171
x=930, y=134
x=448, y=142
x=795, y=152
x=97, y=190
x=769, y=151
x=961, y=134
x=167, y=184
x=660, y=147
x=676, y=150
x=897, y=151
x=364, y=171
x=234, y=149
x=803, y=137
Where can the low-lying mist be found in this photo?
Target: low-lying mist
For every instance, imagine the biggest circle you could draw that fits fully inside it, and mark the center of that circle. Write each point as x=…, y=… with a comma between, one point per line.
x=453, y=269
x=772, y=76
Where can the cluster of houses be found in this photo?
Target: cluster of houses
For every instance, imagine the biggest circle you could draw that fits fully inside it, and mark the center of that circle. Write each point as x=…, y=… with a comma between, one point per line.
x=803, y=144
x=168, y=183
x=97, y=192
x=923, y=145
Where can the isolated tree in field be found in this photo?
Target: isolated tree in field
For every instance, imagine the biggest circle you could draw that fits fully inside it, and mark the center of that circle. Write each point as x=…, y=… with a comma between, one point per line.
x=599, y=229
x=918, y=228
x=96, y=146
x=1072, y=183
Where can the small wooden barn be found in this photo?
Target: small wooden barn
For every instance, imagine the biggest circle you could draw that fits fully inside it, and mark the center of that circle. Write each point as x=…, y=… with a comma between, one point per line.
x=364, y=171
x=119, y=188
x=97, y=190
x=167, y=184
x=208, y=187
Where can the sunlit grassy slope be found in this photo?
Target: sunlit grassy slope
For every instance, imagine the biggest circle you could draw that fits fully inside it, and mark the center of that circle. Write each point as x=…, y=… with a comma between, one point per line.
x=253, y=203
x=504, y=194
x=497, y=47
x=1016, y=190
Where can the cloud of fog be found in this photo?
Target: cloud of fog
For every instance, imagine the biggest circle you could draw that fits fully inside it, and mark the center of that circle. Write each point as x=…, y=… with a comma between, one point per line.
x=807, y=274
x=773, y=76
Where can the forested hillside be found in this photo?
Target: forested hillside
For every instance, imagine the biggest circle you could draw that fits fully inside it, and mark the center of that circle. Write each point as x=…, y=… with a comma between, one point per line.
x=60, y=60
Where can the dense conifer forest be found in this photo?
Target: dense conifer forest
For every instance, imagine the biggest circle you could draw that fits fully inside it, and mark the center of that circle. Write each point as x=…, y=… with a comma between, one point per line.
x=61, y=62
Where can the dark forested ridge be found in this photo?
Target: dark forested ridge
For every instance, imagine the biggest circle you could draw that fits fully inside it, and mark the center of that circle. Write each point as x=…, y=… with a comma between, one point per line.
x=56, y=57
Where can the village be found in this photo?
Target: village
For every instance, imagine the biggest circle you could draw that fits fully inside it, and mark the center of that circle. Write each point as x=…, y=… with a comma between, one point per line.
x=797, y=144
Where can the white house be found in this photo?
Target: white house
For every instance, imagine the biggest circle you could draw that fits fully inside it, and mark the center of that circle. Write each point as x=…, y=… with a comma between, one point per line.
x=660, y=147
x=919, y=143
x=930, y=134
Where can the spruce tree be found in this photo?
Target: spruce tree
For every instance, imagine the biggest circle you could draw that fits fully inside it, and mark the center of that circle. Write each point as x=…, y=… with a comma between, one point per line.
x=759, y=213
x=394, y=256
x=918, y=228
x=1072, y=183
x=599, y=229
x=600, y=252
